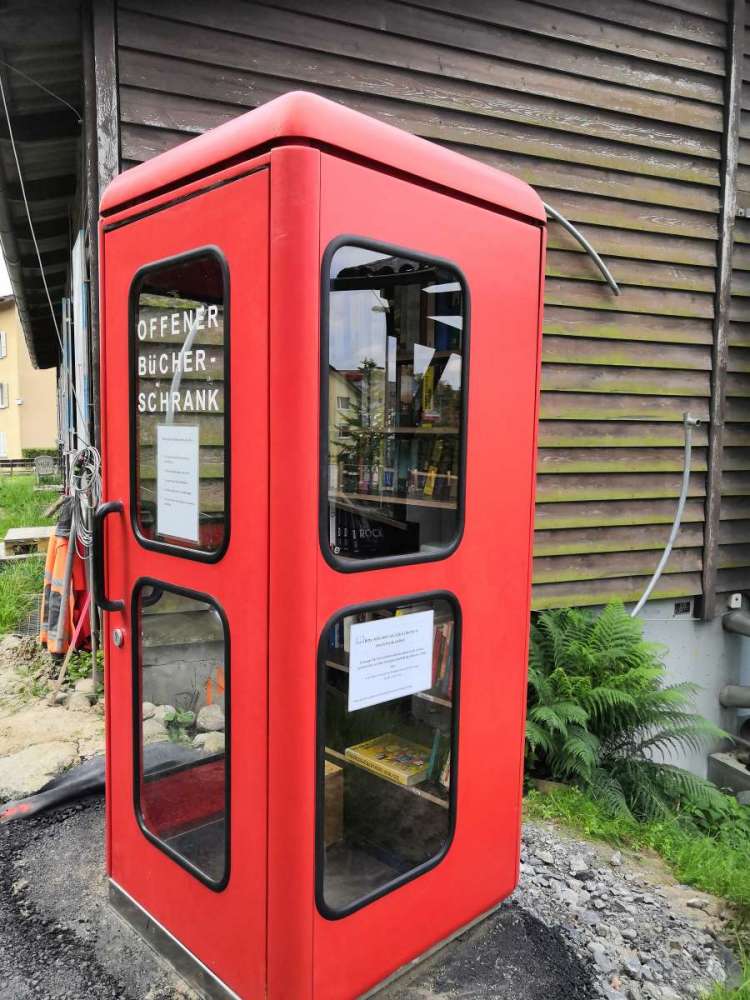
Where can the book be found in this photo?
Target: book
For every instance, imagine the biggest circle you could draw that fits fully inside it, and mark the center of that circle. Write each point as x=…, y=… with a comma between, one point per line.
x=391, y=757
x=445, y=774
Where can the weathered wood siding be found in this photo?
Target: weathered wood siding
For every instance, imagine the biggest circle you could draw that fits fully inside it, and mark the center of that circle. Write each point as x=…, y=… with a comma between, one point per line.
x=615, y=114
x=733, y=560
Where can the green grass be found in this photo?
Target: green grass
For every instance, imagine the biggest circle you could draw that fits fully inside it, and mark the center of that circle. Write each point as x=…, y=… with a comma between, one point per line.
x=20, y=507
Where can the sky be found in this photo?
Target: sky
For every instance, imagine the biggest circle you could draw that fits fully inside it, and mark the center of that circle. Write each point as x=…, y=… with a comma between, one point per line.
x=4, y=280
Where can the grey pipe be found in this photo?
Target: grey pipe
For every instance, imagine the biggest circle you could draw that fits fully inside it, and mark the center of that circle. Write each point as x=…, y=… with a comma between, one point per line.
x=734, y=696
x=607, y=274
x=737, y=621
x=688, y=423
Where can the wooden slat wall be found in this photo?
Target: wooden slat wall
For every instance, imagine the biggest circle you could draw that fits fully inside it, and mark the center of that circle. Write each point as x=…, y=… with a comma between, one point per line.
x=615, y=114
x=734, y=560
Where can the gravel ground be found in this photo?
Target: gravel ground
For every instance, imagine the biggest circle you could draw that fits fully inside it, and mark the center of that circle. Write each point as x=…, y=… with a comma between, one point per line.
x=578, y=928
x=645, y=936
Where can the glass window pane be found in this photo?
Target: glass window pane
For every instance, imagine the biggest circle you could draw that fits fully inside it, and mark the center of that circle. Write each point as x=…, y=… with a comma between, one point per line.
x=387, y=738
x=396, y=376
x=180, y=344
x=182, y=707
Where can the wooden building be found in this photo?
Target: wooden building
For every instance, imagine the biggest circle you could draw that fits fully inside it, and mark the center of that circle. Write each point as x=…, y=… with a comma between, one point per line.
x=631, y=118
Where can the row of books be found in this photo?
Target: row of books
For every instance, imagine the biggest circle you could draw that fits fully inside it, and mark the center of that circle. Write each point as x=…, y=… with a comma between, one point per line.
x=442, y=660
x=402, y=761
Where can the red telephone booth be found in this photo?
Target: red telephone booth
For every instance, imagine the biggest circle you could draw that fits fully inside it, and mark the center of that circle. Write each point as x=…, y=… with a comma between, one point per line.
x=320, y=377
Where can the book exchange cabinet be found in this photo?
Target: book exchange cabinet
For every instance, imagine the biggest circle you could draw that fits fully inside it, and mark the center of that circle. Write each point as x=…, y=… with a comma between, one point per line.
x=320, y=363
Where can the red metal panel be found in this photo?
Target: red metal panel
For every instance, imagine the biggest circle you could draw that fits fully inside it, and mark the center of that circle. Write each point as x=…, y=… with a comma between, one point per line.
x=225, y=930
x=304, y=117
x=294, y=381
x=489, y=572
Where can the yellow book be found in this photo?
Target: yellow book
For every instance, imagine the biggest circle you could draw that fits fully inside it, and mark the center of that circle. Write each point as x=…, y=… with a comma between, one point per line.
x=392, y=757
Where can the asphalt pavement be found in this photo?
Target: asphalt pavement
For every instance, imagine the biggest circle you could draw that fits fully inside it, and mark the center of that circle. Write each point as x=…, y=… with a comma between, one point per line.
x=60, y=940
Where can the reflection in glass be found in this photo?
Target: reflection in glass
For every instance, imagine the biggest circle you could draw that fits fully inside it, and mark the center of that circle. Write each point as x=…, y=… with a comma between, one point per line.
x=395, y=391
x=179, y=401
x=181, y=760
x=387, y=766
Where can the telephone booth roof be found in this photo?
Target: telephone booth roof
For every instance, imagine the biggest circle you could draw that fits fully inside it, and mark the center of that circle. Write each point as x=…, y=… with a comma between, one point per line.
x=300, y=117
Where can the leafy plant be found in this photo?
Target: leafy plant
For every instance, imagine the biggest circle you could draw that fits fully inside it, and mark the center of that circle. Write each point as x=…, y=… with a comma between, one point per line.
x=601, y=717
x=178, y=721
x=80, y=664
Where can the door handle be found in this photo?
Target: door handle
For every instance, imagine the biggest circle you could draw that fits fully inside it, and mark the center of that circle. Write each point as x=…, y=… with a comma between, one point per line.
x=101, y=512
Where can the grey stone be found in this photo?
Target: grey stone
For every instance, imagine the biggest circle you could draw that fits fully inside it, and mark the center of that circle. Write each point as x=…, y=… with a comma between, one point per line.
x=210, y=742
x=633, y=968
x=568, y=896
x=601, y=959
x=210, y=719
x=148, y=710
x=85, y=685
x=715, y=970
x=161, y=710
x=545, y=857
x=25, y=772
x=697, y=904
x=154, y=731
x=579, y=866
x=79, y=702
x=616, y=859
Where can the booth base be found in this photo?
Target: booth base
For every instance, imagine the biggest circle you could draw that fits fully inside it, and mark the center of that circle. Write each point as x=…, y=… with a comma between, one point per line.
x=164, y=944
x=204, y=981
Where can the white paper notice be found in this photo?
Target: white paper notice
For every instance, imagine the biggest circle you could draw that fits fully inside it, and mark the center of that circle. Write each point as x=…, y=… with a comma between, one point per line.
x=177, y=450
x=390, y=658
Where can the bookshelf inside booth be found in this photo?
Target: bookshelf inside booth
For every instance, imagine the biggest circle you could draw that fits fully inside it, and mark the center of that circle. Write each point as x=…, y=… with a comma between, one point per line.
x=386, y=788
x=395, y=337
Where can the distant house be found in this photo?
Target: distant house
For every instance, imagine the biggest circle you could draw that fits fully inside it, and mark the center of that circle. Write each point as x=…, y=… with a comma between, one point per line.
x=28, y=406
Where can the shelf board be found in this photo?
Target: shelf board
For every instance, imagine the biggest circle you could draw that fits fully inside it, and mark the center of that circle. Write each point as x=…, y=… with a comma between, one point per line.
x=417, y=694
x=340, y=758
x=426, y=429
x=383, y=498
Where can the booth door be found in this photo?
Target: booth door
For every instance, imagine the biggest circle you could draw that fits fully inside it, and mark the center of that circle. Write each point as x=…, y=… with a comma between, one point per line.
x=186, y=453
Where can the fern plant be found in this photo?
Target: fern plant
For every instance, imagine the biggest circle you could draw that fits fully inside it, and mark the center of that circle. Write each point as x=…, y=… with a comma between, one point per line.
x=600, y=716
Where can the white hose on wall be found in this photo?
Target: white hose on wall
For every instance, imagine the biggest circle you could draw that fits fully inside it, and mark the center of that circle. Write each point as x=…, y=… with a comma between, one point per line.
x=688, y=423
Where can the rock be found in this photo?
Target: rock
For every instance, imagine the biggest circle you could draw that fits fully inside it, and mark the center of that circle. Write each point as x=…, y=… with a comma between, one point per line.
x=667, y=993
x=578, y=867
x=154, y=731
x=545, y=857
x=161, y=710
x=210, y=719
x=210, y=742
x=616, y=860
x=79, y=702
x=20, y=886
x=85, y=685
x=633, y=968
x=715, y=970
x=61, y=698
x=697, y=904
x=148, y=710
x=25, y=772
x=568, y=896
x=602, y=961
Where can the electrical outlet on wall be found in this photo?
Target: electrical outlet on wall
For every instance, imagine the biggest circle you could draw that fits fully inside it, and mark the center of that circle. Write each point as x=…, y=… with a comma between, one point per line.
x=735, y=601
